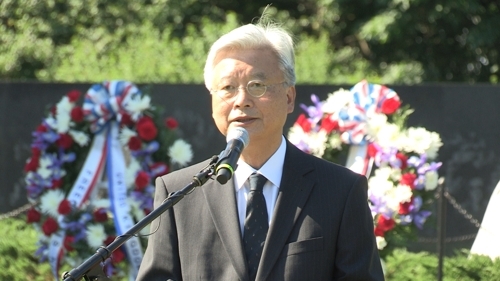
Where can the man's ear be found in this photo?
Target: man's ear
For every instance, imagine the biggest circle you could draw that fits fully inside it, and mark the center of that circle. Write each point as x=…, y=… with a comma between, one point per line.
x=290, y=94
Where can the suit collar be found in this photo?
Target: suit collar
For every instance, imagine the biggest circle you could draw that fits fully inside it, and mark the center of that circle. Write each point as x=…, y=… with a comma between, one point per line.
x=222, y=204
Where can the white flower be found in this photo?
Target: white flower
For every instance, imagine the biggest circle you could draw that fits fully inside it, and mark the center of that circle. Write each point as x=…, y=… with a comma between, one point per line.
x=336, y=101
x=50, y=200
x=388, y=136
x=132, y=169
x=297, y=134
x=381, y=243
x=52, y=122
x=421, y=141
x=403, y=193
x=384, y=172
x=379, y=186
x=431, y=180
x=180, y=152
x=101, y=203
x=392, y=201
x=80, y=138
x=136, y=209
x=317, y=143
x=126, y=134
x=375, y=123
x=136, y=105
x=434, y=145
x=95, y=235
x=63, y=115
x=43, y=167
x=335, y=141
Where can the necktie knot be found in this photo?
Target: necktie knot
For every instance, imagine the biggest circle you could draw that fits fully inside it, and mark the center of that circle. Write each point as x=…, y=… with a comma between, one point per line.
x=257, y=182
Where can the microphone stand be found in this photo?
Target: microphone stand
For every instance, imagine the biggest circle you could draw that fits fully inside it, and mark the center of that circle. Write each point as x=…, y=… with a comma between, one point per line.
x=173, y=198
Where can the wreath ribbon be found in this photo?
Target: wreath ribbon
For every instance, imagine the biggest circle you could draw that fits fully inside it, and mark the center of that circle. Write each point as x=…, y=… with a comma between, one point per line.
x=118, y=197
x=106, y=101
x=103, y=107
x=87, y=179
x=367, y=100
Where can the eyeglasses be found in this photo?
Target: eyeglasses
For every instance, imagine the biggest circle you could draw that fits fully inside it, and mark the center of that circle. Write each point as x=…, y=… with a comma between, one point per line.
x=254, y=88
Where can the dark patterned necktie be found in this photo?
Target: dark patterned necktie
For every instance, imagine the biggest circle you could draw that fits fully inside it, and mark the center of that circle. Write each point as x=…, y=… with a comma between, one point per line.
x=256, y=223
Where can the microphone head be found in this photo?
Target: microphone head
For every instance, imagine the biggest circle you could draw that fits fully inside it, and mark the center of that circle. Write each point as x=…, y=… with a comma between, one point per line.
x=238, y=133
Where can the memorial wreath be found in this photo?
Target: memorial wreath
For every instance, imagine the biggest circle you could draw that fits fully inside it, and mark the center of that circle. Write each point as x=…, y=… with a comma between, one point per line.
x=366, y=127
x=91, y=172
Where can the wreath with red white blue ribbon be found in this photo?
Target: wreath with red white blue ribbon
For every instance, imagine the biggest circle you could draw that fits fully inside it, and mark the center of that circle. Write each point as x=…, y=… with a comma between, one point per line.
x=91, y=173
x=366, y=125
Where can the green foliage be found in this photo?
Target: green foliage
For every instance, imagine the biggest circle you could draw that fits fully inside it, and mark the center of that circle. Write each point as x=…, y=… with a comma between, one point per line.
x=17, y=246
x=386, y=41
x=402, y=265
x=147, y=56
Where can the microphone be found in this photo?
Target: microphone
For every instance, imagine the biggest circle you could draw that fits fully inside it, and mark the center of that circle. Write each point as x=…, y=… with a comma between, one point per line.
x=237, y=139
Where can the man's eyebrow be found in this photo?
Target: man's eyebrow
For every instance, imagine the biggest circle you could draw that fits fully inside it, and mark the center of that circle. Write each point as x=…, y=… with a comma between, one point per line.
x=260, y=75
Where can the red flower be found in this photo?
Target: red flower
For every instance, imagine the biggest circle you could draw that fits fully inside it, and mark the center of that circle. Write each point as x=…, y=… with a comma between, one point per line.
x=379, y=232
x=126, y=120
x=134, y=143
x=159, y=169
x=385, y=224
x=390, y=105
x=77, y=114
x=408, y=179
x=32, y=164
x=50, y=226
x=109, y=240
x=64, y=207
x=73, y=95
x=404, y=208
x=372, y=150
x=303, y=122
x=171, y=123
x=68, y=243
x=65, y=141
x=328, y=124
x=403, y=160
x=36, y=152
x=117, y=256
x=141, y=180
x=56, y=183
x=33, y=216
x=41, y=128
x=100, y=215
x=146, y=128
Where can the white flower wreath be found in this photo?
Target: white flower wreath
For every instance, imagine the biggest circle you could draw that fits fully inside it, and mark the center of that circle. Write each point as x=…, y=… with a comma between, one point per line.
x=91, y=173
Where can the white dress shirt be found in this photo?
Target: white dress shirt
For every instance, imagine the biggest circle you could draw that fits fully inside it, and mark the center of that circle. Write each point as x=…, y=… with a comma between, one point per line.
x=272, y=170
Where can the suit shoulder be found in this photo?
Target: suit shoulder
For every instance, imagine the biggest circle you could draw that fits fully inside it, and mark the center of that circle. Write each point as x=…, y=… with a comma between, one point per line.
x=326, y=167
x=178, y=179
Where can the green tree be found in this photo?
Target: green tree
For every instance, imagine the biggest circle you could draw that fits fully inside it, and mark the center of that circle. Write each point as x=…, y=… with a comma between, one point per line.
x=389, y=41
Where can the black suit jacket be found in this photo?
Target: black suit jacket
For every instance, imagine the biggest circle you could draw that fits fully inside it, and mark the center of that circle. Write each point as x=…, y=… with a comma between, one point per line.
x=322, y=228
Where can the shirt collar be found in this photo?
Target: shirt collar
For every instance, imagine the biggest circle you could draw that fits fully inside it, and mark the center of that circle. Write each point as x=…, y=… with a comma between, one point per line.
x=269, y=170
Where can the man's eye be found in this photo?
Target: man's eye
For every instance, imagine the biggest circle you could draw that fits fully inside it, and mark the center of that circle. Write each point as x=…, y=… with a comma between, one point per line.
x=228, y=88
x=256, y=85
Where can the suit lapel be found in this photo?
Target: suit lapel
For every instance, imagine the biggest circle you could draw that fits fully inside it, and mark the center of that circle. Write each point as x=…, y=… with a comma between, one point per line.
x=293, y=194
x=221, y=201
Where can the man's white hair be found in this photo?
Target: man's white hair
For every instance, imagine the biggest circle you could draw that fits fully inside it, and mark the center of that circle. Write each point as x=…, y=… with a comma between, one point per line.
x=252, y=36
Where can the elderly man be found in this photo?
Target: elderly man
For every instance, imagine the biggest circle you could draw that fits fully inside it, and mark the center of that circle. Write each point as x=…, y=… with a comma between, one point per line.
x=284, y=215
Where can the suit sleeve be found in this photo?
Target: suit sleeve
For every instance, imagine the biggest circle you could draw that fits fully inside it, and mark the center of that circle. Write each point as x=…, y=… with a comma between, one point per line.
x=161, y=259
x=357, y=254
